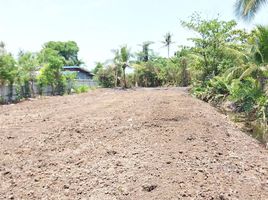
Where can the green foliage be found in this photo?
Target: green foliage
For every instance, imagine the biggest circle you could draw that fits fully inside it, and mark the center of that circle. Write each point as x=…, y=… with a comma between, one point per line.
x=44, y=68
x=97, y=68
x=246, y=9
x=147, y=74
x=146, y=54
x=124, y=54
x=167, y=41
x=228, y=63
x=51, y=72
x=259, y=44
x=262, y=109
x=28, y=65
x=217, y=47
x=106, y=77
x=52, y=58
x=68, y=50
x=245, y=94
x=162, y=72
x=81, y=89
x=8, y=69
x=215, y=90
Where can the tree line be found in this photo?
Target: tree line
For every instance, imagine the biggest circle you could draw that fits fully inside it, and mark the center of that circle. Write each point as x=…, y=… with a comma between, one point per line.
x=44, y=67
x=225, y=65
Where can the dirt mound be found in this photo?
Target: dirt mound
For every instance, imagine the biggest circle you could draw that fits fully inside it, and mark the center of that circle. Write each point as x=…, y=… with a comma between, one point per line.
x=134, y=144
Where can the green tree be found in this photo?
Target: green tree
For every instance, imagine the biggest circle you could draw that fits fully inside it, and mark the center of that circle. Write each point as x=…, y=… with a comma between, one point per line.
x=182, y=58
x=51, y=71
x=256, y=66
x=147, y=74
x=259, y=45
x=68, y=50
x=116, y=66
x=167, y=41
x=246, y=9
x=28, y=67
x=105, y=77
x=146, y=54
x=8, y=72
x=2, y=48
x=219, y=45
x=98, y=66
x=125, y=56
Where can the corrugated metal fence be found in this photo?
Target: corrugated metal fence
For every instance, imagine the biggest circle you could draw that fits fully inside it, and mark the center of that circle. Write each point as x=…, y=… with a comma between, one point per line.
x=16, y=92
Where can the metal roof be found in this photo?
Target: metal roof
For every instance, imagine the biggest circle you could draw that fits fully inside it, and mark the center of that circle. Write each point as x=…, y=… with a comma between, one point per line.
x=79, y=68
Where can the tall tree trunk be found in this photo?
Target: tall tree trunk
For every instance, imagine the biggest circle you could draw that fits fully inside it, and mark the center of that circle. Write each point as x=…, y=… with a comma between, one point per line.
x=115, y=77
x=2, y=92
x=52, y=90
x=125, y=82
x=10, y=95
x=184, y=75
x=32, y=88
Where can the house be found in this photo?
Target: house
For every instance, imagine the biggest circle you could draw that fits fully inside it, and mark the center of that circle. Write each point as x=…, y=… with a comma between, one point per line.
x=82, y=73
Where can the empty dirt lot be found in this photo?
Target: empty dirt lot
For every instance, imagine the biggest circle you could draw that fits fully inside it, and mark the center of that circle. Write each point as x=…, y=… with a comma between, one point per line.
x=136, y=144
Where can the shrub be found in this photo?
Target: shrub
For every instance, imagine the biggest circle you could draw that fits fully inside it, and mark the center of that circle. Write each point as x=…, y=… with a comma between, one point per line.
x=81, y=89
x=214, y=90
x=106, y=77
x=245, y=94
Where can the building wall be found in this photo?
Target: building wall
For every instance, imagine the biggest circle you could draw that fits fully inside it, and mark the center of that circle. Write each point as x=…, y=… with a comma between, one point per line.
x=83, y=75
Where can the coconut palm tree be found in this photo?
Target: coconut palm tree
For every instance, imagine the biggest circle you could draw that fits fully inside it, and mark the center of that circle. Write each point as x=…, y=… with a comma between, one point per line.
x=246, y=9
x=124, y=58
x=28, y=66
x=116, y=65
x=146, y=52
x=257, y=59
x=2, y=48
x=167, y=41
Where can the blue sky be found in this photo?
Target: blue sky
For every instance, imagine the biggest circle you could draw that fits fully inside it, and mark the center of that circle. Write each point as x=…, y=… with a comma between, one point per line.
x=101, y=25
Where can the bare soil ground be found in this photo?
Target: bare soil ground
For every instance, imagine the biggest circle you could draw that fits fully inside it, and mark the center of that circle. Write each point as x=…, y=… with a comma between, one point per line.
x=135, y=144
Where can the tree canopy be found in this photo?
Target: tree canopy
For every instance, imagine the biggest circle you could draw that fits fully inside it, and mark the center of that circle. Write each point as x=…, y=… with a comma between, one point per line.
x=68, y=50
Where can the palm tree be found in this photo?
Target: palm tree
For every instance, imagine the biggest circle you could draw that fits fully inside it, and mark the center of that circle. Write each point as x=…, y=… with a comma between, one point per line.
x=256, y=57
x=260, y=45
x=2, y=48
x=116, y=65
x=246, y=9
x=28, y=66
x=124, y=58
x=167, y=41
x=144, y=55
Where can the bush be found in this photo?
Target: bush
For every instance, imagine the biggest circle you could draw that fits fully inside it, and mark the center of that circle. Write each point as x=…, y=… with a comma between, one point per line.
x=81, y=89
x=106, y=77
x=245, y=94
x=214, y=90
